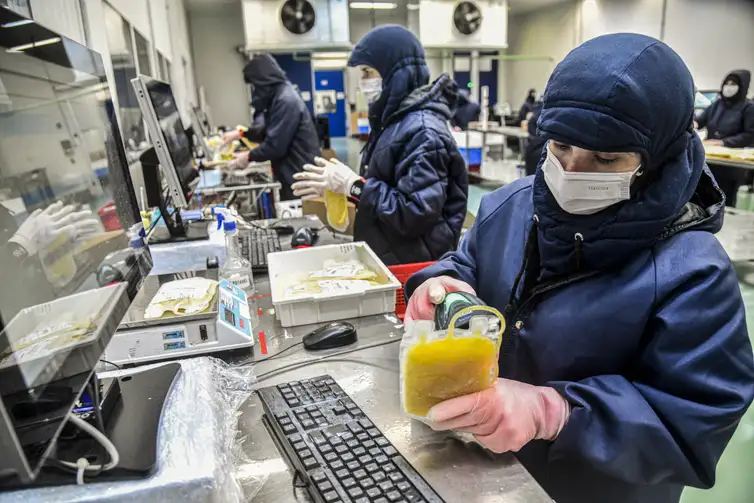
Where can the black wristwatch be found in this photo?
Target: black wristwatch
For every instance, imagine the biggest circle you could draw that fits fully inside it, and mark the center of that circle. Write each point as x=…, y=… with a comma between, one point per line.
x=356, y=190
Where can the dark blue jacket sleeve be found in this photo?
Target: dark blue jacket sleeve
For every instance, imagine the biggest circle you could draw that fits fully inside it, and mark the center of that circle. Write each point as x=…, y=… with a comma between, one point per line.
x=669, y=417
x=746, y=137
x=415, y=203
x=459, y=264
x=284, y=118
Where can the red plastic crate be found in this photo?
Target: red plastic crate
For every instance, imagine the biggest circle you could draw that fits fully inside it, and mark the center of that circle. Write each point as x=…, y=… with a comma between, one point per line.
x=402, y=273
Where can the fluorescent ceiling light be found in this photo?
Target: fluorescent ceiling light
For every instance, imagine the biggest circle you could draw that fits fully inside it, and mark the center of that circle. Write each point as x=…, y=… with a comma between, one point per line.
x=21, y=48
x=374, y=5
x=412, y=6
x=13, y=24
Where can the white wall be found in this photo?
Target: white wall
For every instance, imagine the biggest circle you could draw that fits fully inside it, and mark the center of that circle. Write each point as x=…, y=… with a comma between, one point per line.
x=601, y=17
x=135, y=12
x=215, y=34
x=712, y=37
x=182, y=66
x=61, y=16
x=361, y=21
x=158, y=10
x=550, y=32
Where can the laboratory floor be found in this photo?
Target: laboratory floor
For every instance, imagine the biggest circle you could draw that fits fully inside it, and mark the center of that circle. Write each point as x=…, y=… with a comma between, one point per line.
x=734, y=481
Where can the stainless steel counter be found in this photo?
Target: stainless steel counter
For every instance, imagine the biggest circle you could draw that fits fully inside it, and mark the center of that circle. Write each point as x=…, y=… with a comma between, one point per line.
x=460, y=471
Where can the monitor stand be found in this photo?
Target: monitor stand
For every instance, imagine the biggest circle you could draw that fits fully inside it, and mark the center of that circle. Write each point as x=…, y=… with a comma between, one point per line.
x=177, y=230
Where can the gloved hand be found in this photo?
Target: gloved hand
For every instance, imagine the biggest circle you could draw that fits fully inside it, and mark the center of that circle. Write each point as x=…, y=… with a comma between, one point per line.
x=505, y=417
x=323, y=175
x=44, y=226
x=422, y=304
x=240, y=161
x=231, y=136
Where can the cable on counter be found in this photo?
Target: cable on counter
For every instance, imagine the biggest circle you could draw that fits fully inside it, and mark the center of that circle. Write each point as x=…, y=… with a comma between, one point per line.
x=296, y=365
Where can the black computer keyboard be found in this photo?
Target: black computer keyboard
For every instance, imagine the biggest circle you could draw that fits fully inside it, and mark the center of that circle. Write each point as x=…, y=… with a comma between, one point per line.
x=256, y=244
x=335, y=449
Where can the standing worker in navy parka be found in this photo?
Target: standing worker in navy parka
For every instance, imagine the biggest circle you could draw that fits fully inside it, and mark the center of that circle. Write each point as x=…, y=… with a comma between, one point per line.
x=412, y=197
x=626, y=364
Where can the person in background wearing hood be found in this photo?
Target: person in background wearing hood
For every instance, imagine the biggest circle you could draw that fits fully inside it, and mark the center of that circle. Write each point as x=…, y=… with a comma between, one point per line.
x=287, y=136
x=467, y=111
x=626, y=364
x=730, y=122
x=412, y=198
x=534, y=143
x=528, y=105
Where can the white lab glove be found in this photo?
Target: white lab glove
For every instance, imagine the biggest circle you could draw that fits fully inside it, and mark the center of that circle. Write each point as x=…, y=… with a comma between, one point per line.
x=432, y=292
x=240, y=161
x=44, y=226
x=323, y=175
x=231, y=136
x=506, y=416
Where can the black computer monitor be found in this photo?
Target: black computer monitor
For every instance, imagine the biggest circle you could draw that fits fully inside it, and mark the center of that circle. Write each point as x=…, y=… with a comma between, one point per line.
x=202, y=132
x=170, y=140
x=68, y=265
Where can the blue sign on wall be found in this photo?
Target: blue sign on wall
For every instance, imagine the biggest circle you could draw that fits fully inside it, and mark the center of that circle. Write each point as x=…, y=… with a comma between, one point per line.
x=299, y=72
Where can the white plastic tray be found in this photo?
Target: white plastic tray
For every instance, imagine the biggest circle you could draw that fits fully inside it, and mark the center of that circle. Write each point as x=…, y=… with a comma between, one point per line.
x=324, y=307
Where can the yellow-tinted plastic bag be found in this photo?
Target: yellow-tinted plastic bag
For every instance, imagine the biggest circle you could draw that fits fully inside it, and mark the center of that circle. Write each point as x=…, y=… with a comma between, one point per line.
x=440, y=365
x=337, y=210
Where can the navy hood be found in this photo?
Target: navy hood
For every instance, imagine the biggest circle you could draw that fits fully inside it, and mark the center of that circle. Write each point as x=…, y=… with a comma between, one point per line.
x=264, y=73
x=744, y=80
x=399, y=58
x=608, y=95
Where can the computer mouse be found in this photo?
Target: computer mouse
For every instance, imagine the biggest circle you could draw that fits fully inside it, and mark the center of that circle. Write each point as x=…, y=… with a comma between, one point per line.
x=332, y=335
x=453, y=303
x=304, y=237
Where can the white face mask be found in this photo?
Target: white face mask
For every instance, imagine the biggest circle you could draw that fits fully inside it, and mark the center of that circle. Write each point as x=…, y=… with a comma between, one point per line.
x=371, y=88
x=730, y=90
x=586, y=193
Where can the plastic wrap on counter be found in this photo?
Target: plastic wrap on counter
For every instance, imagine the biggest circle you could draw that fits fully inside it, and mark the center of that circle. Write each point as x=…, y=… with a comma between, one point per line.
x=199, y=452
x=437, y=365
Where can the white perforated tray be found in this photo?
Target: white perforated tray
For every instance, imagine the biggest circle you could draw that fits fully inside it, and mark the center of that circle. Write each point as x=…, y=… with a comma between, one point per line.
x=327, y=306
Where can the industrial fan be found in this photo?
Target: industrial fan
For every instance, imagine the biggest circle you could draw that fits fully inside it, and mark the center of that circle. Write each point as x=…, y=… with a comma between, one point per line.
x=467, y=18
x=298, y=16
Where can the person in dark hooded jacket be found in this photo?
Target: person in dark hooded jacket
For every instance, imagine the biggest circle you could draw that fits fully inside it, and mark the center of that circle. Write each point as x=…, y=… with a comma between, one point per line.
x=466, y=111
x=730, y=122
x=287, y=136
x=528, y=105
x=625, y=364
x=412, y=199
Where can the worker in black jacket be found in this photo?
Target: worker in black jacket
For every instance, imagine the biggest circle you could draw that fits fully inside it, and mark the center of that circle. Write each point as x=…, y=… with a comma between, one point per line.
x=730, y=122
x=534, y=144
x=288, y=138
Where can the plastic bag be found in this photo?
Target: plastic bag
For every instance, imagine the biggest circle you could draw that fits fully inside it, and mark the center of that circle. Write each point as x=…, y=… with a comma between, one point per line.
x=184, y=296
x=437, y=365
x=337, y=210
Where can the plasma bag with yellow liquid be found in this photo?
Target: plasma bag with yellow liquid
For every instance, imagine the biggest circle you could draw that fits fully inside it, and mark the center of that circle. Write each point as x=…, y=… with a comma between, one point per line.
x=337, y=210
x=437, y=365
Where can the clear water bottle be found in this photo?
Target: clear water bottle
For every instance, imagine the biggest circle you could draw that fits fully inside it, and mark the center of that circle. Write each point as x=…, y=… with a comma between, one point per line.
x=235, y=267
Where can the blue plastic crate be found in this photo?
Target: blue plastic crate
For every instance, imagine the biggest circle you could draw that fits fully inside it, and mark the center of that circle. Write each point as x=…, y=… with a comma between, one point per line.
x=474, y=155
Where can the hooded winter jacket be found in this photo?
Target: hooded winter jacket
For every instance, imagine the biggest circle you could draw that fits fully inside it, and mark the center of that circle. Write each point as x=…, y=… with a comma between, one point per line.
x=633, y=314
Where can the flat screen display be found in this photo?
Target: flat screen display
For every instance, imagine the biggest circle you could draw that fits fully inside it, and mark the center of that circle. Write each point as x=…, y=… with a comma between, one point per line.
x=66, y=206
x=176, y=139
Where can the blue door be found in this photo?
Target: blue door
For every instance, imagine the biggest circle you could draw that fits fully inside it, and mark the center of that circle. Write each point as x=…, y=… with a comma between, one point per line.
x=330, y=99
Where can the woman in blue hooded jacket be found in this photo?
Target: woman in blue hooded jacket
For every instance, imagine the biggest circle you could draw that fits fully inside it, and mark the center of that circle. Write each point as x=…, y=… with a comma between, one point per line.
x=412, y=197
x=626, y=364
